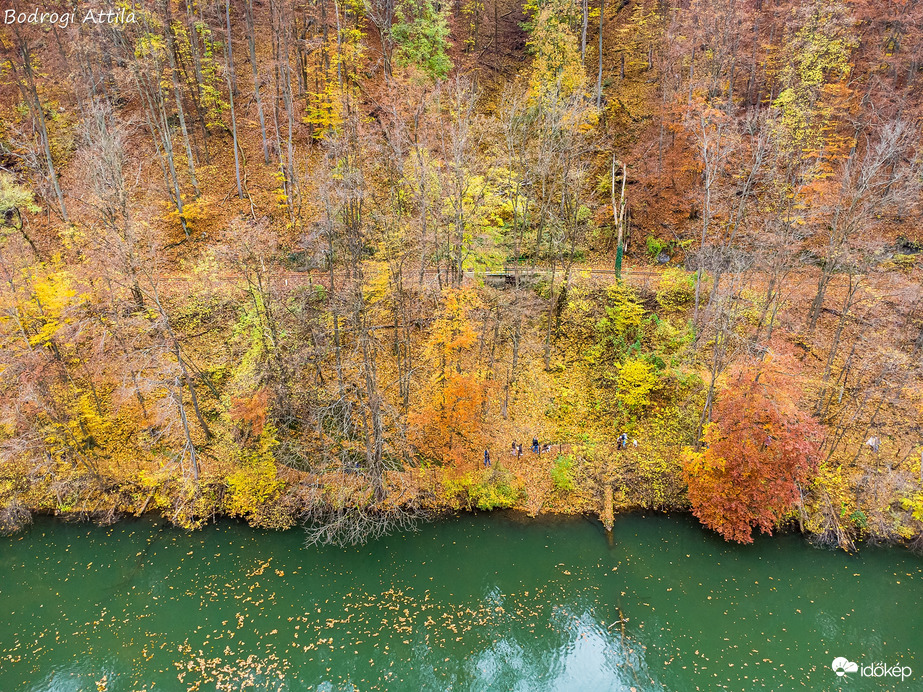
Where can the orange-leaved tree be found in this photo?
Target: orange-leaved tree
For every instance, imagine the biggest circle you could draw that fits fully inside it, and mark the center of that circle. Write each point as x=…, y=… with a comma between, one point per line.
x=759, y=450
x=447, y=425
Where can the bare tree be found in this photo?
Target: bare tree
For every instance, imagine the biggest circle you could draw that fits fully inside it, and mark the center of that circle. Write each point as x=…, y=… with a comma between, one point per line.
x=714, y=141
x=257, y=95
x=103, y=154
x=19, y=59
x=878, y=175
x=173, y=69
x=458, y=146
x=382, y=12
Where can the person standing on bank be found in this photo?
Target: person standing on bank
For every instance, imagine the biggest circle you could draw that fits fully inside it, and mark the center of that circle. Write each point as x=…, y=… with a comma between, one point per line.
x=486, y=458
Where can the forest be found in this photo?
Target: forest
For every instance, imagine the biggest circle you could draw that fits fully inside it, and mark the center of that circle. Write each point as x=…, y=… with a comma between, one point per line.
x=337, y=263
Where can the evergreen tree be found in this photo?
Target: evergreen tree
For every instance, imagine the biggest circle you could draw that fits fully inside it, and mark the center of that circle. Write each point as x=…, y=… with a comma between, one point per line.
x=421, y=32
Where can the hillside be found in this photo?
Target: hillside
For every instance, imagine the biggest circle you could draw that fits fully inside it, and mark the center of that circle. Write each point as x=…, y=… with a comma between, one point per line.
x=305, y=262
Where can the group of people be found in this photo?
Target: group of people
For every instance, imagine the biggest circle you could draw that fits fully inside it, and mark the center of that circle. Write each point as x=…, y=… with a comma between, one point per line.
x=621, y=442
x=516, y=450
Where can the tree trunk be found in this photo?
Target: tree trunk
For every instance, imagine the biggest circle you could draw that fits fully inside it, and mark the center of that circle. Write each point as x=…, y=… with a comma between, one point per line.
x=599, y=74
x=199, y=77
x=834, y=347
x=232, y=86
x=30, y=94
x=156, y=117
x=177, y=392
x=585, y=6
x=817, y=305
x=251, y=40
x=178, y=96
x=171, y=164
x=550, y=319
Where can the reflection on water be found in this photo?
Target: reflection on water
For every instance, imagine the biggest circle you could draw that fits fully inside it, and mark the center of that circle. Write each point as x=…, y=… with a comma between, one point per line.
x=474, y=603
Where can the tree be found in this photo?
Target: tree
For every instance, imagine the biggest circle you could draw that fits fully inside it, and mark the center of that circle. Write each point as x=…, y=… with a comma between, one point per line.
x=421, y=33
x=878, y=174
x=250, y=250
x=447, y=427
x=383, y=13
x=232, y=87
x=146, y=64
x=116, y=246
x=557, y=69
x=599, y=72
x=618, y=215
x=817, y=54
x=254, y=67
x=369, y=507
x=21, y=66
x=759, y=452
x=714, y=143
x=170, y=45
x=13, y=200
x=459, y=144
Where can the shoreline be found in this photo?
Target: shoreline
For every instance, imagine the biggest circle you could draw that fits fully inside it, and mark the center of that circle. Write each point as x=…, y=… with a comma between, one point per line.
x=517, y=513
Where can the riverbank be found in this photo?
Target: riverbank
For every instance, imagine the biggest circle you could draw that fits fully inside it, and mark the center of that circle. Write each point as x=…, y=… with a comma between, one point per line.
x=279, y=498
x=275, y=498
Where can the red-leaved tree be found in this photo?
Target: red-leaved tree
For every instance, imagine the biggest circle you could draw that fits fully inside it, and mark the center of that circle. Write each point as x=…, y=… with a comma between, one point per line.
x=759, y=449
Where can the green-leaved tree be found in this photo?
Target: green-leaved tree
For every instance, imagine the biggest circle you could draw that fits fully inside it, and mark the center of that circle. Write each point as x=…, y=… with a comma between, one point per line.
x=421, y=34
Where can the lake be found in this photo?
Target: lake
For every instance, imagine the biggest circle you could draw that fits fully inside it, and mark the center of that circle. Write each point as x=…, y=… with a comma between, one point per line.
x=475, y=602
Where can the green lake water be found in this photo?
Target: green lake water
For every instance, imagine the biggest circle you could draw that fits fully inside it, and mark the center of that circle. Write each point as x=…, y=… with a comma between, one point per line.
x=475, y=603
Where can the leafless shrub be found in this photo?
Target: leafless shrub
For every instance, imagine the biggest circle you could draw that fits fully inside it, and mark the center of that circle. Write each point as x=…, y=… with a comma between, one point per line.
x=14, y=516
x=348, y=516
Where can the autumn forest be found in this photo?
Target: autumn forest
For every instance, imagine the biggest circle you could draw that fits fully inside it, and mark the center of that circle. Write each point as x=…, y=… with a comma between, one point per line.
x=338, y=263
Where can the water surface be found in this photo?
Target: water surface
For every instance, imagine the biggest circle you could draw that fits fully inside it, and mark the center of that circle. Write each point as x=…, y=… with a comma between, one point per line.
x=471, y=603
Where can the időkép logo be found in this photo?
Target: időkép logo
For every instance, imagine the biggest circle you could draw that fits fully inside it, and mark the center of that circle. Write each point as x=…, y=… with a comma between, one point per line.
x=843, y=666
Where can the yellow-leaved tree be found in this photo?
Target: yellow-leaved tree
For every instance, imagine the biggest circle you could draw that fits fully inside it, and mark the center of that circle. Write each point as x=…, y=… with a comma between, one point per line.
x=636, y=380
x=814, y=75
x=335, y=79
x=557, y=71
